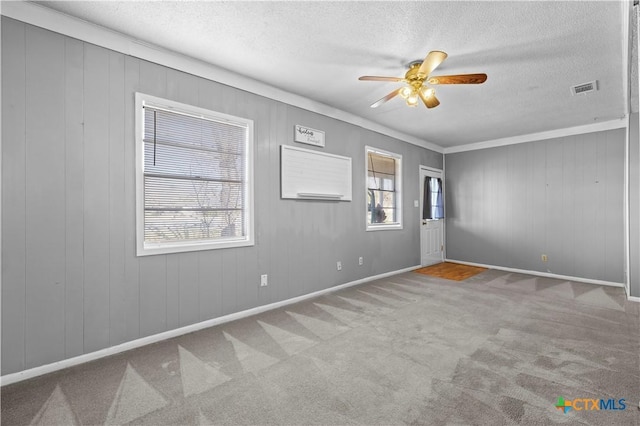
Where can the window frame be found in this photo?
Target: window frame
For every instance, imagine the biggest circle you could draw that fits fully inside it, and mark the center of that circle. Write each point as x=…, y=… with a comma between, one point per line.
x=146, y=248
x=397, y=190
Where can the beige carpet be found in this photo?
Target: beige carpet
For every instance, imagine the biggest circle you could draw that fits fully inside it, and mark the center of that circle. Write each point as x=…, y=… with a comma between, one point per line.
x=495, y=349
x=451, y=271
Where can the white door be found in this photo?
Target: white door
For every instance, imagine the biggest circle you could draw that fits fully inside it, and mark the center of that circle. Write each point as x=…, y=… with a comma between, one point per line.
x=431, y=230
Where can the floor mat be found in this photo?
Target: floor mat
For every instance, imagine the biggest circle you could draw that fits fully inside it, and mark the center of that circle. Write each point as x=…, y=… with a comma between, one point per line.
x=451, y=271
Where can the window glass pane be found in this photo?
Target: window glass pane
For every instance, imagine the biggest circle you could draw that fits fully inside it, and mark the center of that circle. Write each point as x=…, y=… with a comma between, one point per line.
x=175, y=128
x=194, y=178
x=194, y=226
x=382, y=190
x=169, y=193
x=192, y=162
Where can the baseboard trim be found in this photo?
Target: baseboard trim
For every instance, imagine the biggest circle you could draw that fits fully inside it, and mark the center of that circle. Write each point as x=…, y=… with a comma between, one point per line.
x=113, y=350
x=540, y=274
x=633, y=299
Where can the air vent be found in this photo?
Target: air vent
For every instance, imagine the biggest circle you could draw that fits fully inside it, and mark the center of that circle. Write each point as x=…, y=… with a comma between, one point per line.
x=584, y=88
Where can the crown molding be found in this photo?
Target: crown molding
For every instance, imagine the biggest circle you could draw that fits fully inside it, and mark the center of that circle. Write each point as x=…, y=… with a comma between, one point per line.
x=532, y=137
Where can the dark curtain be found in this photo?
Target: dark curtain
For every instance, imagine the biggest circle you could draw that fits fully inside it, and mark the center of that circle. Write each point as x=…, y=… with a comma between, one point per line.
x=432, y=205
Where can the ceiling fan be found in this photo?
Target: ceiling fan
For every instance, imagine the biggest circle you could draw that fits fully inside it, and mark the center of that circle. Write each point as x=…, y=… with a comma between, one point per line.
x=418, y=79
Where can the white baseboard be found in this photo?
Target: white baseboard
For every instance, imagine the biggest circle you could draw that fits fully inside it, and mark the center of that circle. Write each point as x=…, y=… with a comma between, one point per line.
x=112, y=350
x=540, y=274
x=633, y=299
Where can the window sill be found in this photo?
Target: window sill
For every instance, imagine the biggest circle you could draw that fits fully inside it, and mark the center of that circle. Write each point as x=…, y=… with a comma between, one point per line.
x=384, y=227
x=153, y=249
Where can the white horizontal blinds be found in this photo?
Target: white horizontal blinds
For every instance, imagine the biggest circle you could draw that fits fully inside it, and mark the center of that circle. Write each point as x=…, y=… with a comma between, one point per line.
x=381, y=188
x=194, y=177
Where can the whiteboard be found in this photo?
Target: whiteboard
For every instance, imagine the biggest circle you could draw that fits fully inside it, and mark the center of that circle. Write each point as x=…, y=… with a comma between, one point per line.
x=313, y=175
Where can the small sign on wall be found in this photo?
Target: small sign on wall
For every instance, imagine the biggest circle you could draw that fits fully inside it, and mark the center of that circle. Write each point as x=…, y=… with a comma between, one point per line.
x=309, y=136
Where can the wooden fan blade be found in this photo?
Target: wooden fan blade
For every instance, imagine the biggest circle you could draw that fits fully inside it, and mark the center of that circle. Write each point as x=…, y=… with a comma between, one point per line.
x=386, y=98
x=458, y=79
x=429, y=102
x=431, y=62
x=377, y=78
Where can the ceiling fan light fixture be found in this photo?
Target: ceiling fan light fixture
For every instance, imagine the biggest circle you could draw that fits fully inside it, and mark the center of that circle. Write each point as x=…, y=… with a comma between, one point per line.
x=405, y=92
x=412, y=100
x=428, y=92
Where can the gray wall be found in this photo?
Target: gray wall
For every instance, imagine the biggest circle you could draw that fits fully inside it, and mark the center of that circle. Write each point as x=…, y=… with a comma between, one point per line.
x=564, y=197
x=634, y=205
x=71, y=281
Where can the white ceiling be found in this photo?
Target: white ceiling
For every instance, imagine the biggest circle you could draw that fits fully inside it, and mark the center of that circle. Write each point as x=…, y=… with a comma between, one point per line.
x=531, y=51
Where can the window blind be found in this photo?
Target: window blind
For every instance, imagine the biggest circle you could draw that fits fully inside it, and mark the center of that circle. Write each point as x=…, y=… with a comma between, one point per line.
x=194, y=177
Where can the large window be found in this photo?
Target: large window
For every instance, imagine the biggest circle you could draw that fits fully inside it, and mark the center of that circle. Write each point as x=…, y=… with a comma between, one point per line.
x=384, y=183
x=193, y=177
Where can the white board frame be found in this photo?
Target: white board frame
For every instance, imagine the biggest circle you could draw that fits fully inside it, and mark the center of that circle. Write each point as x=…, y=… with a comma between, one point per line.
x=312, y=175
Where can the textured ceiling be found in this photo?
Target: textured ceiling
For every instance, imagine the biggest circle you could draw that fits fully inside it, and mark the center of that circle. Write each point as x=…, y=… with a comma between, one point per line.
x=531, y=51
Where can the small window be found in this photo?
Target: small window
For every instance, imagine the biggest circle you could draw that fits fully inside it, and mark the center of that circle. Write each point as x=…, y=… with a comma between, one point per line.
x=384, y=183
x=433, y=204
x=193, y=177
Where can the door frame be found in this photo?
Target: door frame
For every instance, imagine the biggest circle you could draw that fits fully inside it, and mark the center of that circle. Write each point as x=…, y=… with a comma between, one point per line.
x=422, y=172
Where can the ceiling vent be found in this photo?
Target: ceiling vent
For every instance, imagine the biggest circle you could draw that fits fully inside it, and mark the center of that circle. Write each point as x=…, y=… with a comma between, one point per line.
x=580, y=89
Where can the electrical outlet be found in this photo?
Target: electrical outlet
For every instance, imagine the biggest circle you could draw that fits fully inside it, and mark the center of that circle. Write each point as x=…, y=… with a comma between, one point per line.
x=339, y=266
x=544, y=258
x=360, y=260
x=264, y=280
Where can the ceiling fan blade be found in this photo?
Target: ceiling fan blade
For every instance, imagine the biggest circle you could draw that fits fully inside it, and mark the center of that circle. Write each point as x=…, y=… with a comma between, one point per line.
x=377, y=78
x=458, y=79
x=386, y=98
x=429, y=101
x=431, y=62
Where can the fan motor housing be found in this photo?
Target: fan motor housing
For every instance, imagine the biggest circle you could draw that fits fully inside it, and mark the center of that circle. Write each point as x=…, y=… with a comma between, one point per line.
x=412, y=75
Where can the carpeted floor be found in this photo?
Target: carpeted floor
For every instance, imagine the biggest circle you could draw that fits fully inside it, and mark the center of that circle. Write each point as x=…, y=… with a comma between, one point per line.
x=451, y=271
x=495, y=349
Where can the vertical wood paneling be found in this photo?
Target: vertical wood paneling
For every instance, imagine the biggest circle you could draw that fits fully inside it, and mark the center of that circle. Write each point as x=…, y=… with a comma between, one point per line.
x=247, y=265
x=614, y=204
x=117, y=212
x=279, y=211
x=555, y=220
x=74, y=197
x=566, y=201
x=634, y=205
x=173, y=292
x=96, y=198
x=229, y=280
x=600, y=189
x=209, y=287
x=153, y=296
x=13, y=195
x=69, y=206
x=516, y=203
x=131, y=270
x=153, y=276
x=568, y=205
x=189, y=305
x=538, y=188
x=588, y=188
x=581, y=205
x=45, y=192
